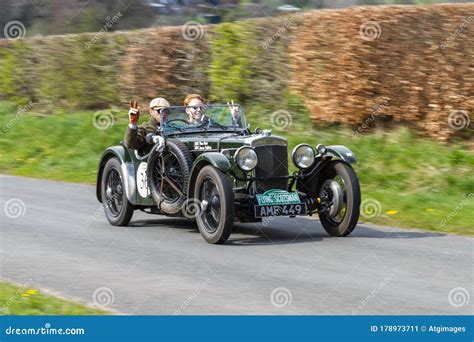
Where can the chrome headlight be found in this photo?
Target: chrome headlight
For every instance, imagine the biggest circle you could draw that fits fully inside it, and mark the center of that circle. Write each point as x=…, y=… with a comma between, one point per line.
x=246, y=158
x=303, y=156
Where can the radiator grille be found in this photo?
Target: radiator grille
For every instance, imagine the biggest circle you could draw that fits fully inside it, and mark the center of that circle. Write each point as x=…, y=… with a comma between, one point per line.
x=272, y=161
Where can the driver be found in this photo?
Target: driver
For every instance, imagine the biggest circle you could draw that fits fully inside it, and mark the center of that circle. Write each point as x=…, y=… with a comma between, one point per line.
x=135, y=136
x=195, y=110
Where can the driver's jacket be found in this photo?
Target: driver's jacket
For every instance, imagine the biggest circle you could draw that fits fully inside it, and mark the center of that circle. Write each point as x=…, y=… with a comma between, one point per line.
x=135, y=138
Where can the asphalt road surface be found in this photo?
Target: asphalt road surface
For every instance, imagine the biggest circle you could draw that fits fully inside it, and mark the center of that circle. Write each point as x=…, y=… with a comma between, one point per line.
x=54, y=236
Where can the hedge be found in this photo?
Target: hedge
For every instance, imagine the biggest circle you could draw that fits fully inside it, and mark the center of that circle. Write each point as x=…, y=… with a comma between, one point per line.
x=361, y=66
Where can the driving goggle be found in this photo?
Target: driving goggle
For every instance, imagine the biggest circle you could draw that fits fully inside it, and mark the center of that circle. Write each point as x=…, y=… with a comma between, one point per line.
x=196, y=107
x=162, y=111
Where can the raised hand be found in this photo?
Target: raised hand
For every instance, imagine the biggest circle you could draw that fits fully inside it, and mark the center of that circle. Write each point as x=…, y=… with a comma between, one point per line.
x=134, y=112
x=234, y=110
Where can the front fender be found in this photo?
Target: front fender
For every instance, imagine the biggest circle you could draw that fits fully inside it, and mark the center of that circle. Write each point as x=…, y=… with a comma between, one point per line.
x=128, y=171
x=216, y=159
x=342, y=152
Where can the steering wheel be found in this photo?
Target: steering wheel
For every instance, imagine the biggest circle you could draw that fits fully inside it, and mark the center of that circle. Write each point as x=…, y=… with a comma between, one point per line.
x=179, y=120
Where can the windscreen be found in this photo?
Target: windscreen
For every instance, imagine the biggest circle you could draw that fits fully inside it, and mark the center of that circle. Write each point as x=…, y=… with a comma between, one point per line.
x=205, y=117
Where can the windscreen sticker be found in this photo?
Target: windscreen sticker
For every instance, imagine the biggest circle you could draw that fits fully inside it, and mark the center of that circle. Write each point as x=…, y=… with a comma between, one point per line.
x=202, y=145
x=276, y=196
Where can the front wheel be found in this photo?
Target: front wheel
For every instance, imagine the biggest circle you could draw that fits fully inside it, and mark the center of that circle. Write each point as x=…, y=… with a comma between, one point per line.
x=339, y=190
x=117, y=208
x=216, y=198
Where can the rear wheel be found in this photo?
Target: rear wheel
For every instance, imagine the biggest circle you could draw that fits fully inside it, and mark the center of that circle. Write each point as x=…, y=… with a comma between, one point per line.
x=117, y=208
x=339, y=191
x=214, y=193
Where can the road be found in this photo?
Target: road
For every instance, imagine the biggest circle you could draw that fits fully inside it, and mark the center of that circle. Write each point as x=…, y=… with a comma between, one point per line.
x=59, y=240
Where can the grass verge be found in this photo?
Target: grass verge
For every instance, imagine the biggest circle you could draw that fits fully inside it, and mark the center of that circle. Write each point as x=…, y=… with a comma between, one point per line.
x=22, y=300
x=406, y=180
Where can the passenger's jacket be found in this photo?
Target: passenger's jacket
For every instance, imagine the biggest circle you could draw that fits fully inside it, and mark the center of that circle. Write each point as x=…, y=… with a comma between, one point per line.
x=136, y=138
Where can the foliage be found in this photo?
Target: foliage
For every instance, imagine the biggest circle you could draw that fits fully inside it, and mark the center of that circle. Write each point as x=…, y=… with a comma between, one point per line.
x=22, y=300
x=249, y=60
x=82, y=73
x=69, y=72
x=17, y=81
x=232, y=71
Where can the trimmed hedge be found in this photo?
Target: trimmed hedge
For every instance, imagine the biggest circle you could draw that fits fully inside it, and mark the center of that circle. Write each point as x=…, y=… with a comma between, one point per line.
x=415, y=72
x=60, y=72
x=417, y=69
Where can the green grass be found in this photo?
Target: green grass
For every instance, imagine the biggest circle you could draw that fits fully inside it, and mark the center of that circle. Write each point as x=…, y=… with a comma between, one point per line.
x=22, y=300
x=418, y=182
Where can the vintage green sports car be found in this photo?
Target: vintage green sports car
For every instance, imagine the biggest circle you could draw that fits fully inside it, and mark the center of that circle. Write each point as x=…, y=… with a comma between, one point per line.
x=218, y=172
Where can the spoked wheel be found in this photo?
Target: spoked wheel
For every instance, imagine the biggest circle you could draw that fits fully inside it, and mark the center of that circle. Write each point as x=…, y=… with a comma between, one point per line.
x=210, y=205
x=169, y=176
x=214, y=193
x=117, y=208
x=113, y=193
x=339, y=191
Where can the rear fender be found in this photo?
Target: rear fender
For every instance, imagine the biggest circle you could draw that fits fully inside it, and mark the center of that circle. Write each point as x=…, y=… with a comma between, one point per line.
x=128, y=170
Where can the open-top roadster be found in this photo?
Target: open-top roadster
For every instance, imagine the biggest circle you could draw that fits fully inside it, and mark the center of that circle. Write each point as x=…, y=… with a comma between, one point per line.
x=218, y=172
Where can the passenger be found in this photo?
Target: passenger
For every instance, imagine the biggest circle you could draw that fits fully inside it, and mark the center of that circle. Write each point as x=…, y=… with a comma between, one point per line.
x=135, y=136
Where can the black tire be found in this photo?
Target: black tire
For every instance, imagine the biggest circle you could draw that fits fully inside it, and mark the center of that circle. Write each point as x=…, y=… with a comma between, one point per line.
x=214, y=191
x=117, y=208
x=178, y=161
x=335, y=225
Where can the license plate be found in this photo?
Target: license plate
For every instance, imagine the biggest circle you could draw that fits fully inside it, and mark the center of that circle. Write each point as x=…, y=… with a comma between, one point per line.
x=279, y=210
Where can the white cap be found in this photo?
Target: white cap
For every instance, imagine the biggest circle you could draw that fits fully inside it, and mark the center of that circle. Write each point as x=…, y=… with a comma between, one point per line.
x=159, y=102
